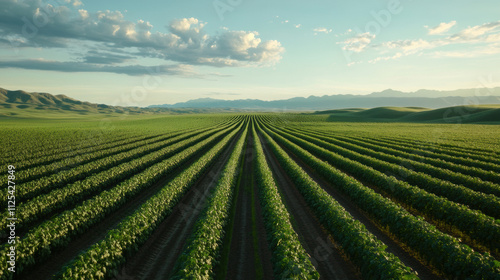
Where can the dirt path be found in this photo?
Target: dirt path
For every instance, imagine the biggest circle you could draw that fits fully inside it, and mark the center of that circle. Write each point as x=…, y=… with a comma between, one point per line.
x=59, y=258
x=249, y=256
x=157, y=257
x=316, y=241
x=423, y=271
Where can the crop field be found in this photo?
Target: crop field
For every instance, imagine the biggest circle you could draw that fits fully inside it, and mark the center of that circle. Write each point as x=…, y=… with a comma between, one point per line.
x=248, y=196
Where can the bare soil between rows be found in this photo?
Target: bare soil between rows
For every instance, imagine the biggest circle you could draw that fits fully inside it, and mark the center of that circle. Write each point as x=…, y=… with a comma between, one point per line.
x=424, y=272
x=324, y=255
x=157, y=258
x=249, y=255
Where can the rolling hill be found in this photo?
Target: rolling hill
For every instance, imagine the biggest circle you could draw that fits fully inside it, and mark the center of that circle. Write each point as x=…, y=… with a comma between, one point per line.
x=18, y=103
x=455, y=114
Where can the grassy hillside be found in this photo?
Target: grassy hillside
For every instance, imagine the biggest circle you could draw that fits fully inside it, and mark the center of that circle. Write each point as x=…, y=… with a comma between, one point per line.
x=27, y=105
x=457, y=114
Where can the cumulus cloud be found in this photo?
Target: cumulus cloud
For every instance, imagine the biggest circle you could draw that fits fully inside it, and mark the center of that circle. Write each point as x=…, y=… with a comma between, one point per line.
x=33, y=23
x=441, y=28
x=358, y=43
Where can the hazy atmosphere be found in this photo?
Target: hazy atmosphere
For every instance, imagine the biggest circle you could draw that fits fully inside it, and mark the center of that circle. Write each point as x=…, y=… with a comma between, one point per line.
x=157, y=52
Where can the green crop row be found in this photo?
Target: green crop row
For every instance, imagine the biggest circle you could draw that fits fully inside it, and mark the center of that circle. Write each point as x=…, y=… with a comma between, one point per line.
x=201, y=254
x=446, y=145
x=478, y=226
x=418, y=174
x=290, y=260
x=70, y=140
x=30, y=174
x=103, y=259
x=44, y=205
x=415, y=160
x=80, y=157
x=43, y=185
x=31, y=189
x=442, y=251
x=356, y=241
x=450, y=153
x=43, y=148
x=37, y=245
x=59, y=154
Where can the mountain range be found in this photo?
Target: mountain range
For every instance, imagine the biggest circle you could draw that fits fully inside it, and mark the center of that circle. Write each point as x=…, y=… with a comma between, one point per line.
x=389, y=97
x=21, y=103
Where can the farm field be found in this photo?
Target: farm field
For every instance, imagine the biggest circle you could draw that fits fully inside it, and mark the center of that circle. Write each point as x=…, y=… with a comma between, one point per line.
x=249, y=196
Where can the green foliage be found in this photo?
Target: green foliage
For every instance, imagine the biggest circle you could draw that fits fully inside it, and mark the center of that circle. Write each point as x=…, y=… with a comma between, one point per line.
x=357, y=242
x=439, y=181
x=77, y=171
x=109, y=254
x=201, y=254
x=441, y=250
x=289, y=257
x=57, y=232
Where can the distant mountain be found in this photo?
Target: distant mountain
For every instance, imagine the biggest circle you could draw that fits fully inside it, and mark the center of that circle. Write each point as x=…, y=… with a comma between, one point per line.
x=437, y=93
x=421, y=98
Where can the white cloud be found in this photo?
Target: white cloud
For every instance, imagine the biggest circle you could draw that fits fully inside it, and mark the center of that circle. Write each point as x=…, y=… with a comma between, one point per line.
x=493, y=38
x=84, y=14
x=469, y=53
x=385, y=58
x=358, y=43
x=321, y=30
x=298, y=25
x=186, y=43
x=476, y=32
x=411, y=46
x=486, y=37
x=441, y=28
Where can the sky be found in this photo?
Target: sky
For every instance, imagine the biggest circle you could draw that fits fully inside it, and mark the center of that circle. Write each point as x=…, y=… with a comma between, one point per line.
x=139, y=53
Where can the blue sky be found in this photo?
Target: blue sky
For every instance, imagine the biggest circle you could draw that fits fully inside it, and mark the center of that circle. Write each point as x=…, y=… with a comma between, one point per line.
x=139, y=53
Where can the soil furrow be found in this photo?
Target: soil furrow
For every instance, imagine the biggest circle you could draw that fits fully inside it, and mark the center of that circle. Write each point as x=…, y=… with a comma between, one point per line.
x=393, y=247
x=157, y=257
x=249, y=257
x=325, y=255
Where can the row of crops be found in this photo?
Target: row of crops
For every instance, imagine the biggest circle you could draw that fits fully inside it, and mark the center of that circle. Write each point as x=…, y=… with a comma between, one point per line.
x=439, y=203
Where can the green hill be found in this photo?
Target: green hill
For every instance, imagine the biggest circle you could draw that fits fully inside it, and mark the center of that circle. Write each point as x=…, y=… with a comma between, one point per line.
x=21, y=104
x=456, y=114
x=390, y=112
